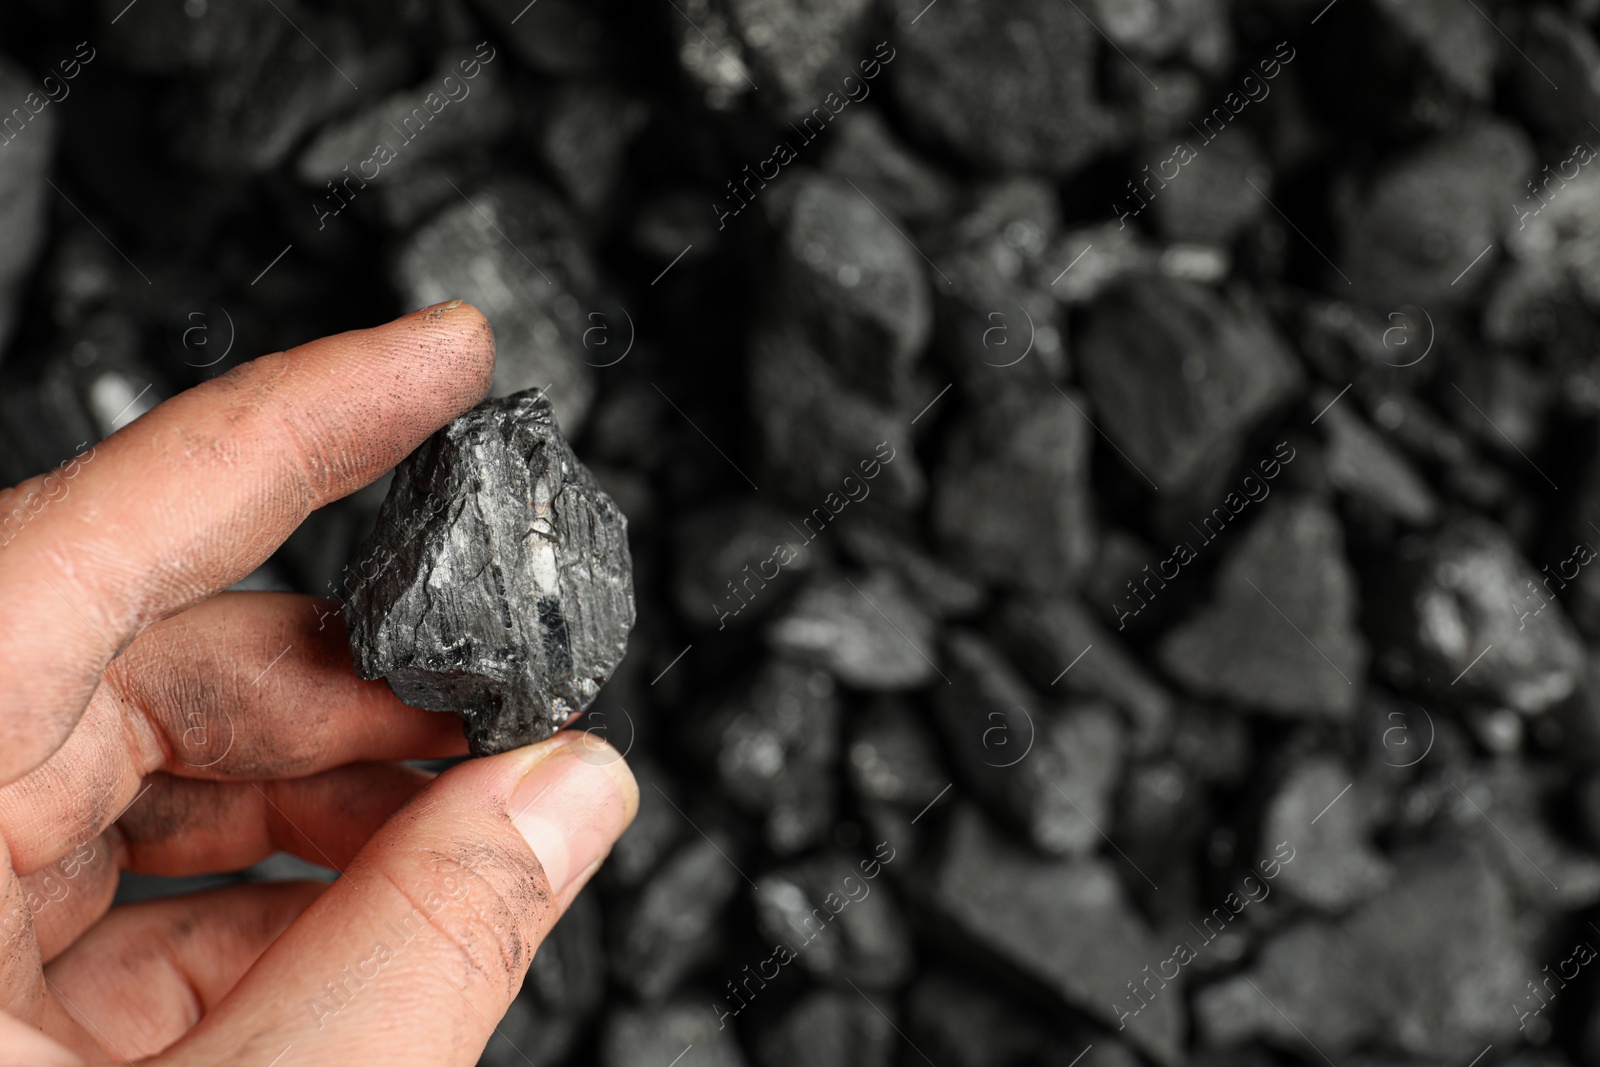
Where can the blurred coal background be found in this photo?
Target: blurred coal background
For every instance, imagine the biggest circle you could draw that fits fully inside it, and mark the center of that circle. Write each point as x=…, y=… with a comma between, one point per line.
x=1120, y=472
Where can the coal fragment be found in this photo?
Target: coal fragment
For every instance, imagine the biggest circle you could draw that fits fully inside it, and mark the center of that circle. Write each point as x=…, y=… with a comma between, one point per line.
x=586, y=137
x=1282, y=634
x=942, y=589
x=1179, y=375
x=670, y=927
x=1012, y=499
x=1427, y=214
x=1060, y=641
x=1365, y=465
x=1335, y=866
x=846, y=272
x=867, y=631
x=1461, y=47
x=807, y=48
x=1214, y=200
x=840, y=924
x=894, y=758
x=650, y=1037
x=1012, y=86
x=512, y=249
x=866, y=153
x=498, y=583
x=1066, y=923
x=734, y=556
x=828, y=1027
x=776, y=745
x=1468, y=599
x=1396, y=973
x=23, y=218
x=1050, y=769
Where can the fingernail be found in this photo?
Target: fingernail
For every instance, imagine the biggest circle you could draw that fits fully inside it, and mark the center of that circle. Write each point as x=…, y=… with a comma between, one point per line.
x=571, y=810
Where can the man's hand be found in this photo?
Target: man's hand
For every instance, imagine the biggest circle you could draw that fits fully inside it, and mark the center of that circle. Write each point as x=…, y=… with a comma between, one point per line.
x=149, y=724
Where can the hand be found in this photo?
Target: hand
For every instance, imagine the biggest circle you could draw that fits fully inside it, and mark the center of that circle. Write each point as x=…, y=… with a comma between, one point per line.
x=149, y=724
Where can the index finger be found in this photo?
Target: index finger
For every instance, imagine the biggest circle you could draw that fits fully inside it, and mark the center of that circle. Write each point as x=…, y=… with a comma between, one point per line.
x=190, y=498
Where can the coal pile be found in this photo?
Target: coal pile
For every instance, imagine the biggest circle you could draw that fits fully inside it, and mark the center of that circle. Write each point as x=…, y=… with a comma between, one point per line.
x=1111, y=486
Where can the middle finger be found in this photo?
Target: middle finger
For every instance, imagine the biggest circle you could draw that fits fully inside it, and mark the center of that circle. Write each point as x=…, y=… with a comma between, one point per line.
x=245, y=685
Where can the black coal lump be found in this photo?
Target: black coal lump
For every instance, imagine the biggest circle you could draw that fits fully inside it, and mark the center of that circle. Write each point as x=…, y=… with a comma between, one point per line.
x=498, y=582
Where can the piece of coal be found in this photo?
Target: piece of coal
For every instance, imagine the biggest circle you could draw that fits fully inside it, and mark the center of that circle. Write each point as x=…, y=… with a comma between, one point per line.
x=498, y=583
x=1012, y=499
x=866, y=153
x=1178, y=375
x=1061, y=641
x=23, y=218
x=671, y=926
x=685, y=1033
x=1391, y=973
x=1051, y=769
x=1282, y=635
x=1012, y=86
x=1409, y=236
x=776, y=744
x=832, y=1028
x=1066, y=923
x=840, y=921
x=867, y=631
x=513, y=251
x=807, y=47
x=1468, y=599
x=1335, y=866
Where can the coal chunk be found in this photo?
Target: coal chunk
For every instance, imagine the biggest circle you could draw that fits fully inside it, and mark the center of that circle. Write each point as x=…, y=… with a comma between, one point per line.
x=670, y=927
x=1010, y=85
x=1426, y=215
x=828, y=1027
x=1060, y=641
x=1335, y=865
x=1466, y=617
x=1282, y=634
x=1012, y=500
x=23, y=218
x=867, y=631
x=1067, y=923
x=512, y=249
x=846, y=271
x=1050, y=769
x=498, y=583
x=777, y=742
x=1396, y=973
x=1178, y=375
x=650, y=1037
x=736, y=555
x=841, y=923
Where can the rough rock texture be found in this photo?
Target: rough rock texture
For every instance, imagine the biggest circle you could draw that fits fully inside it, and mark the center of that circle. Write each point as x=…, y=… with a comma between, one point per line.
x=498, y=583
x=1335, y=864
x=1281, y=635
x=650, y=1037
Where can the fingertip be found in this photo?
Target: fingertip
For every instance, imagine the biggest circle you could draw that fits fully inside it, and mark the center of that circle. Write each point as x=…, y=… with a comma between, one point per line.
x=470, y=340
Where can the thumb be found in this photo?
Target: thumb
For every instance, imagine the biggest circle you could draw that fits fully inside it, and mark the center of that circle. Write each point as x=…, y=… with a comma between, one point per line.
x=414, y=955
